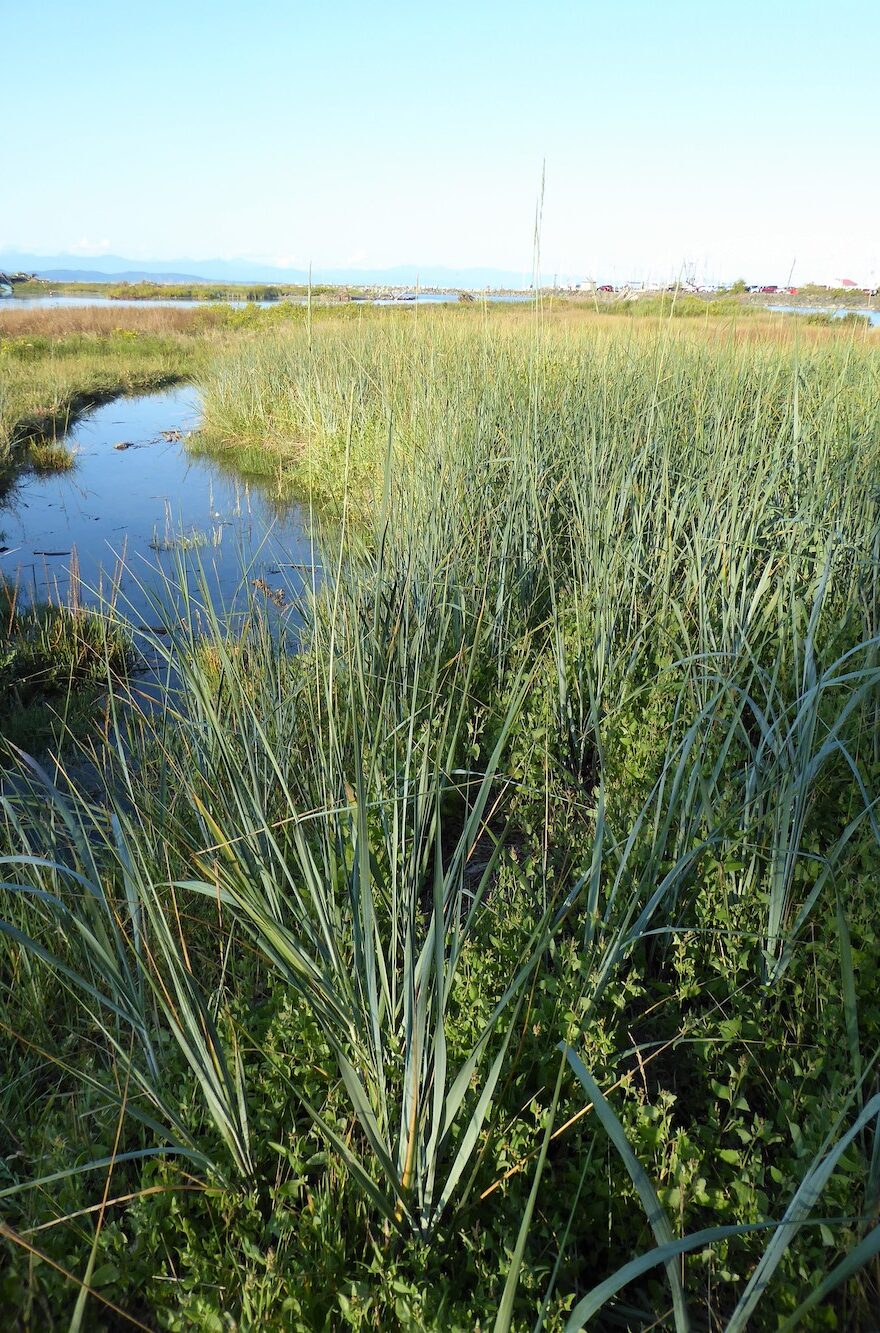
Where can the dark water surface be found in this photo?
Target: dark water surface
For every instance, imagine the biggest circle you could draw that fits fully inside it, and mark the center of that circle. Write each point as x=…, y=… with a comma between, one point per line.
x=121, y=517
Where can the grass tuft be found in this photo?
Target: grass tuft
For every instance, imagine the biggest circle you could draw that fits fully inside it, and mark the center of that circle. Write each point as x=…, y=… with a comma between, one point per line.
x=48, y=456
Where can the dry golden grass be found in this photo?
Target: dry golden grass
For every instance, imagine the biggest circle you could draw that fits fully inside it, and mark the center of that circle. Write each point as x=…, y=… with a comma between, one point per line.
x=59, y=321
x=752, y=327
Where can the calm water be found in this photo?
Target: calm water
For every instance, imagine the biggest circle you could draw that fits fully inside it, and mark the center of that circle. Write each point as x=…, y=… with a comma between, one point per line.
x=129, y=514
x=423, y=298
x=837, y=311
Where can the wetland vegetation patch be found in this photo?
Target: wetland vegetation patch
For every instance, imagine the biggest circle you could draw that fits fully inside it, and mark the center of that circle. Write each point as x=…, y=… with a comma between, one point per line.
x=510, y=913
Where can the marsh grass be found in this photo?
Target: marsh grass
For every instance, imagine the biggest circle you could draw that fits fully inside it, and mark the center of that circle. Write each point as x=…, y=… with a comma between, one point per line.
x=46, y=456
x=55, y=661
x=63, y=321
x=320, y=409
x=577, y=742
x=179, y=291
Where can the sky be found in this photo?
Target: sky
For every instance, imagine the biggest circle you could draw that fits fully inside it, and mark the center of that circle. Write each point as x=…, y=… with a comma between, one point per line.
x=708, y=138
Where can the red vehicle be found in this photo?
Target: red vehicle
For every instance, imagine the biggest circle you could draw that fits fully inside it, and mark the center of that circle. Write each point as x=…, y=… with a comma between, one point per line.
x=769, y=291
x=606, y=287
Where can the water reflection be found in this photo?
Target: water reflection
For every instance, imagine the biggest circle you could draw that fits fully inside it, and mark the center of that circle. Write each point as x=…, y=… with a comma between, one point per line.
x=137, y=506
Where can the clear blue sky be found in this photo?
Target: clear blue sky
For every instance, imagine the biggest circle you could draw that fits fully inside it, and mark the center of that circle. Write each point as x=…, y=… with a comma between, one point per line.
x=735, y=137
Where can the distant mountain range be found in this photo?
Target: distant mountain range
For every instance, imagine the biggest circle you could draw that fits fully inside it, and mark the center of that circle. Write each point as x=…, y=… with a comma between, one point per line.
x=115, y=268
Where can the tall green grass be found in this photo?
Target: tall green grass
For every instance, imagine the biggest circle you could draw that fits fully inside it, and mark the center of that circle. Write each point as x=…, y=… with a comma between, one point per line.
x=574, y=740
